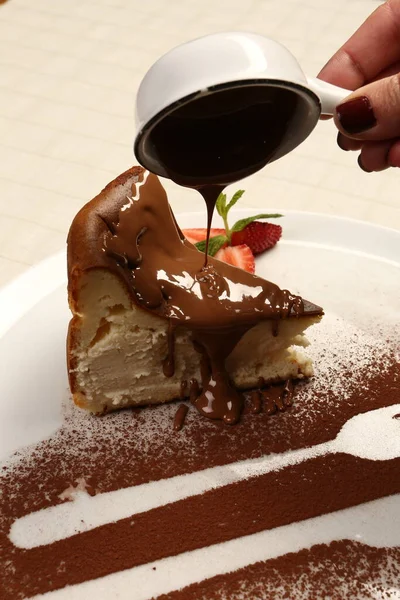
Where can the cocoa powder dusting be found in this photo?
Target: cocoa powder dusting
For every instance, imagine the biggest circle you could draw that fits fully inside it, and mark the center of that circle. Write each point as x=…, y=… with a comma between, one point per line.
x=342, y=570
x=117, y=451
x=265, y=502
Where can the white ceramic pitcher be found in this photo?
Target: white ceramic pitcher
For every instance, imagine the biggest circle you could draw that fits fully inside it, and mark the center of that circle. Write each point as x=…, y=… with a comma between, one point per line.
x=219, y=62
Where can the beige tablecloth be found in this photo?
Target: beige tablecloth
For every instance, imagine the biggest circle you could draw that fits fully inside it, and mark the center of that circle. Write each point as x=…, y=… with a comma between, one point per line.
x=69, y=71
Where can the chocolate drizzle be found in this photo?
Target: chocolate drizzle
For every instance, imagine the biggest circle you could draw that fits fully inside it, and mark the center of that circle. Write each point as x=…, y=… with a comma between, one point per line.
x=288, y=393
x=184, y=385
x=180, y=416
x=256, y=402
x=270, y=402
x=169, y=361
x=219, y=399
x=194, y=390
x=216, y=302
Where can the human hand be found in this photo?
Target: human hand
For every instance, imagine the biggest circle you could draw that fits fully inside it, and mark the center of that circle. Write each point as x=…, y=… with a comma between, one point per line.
x=369, y=62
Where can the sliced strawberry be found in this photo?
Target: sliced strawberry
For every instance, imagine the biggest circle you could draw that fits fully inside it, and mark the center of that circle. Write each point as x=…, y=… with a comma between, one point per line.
x=258, y=236
x=238, y=256
x=248, y=231
x=200, y=234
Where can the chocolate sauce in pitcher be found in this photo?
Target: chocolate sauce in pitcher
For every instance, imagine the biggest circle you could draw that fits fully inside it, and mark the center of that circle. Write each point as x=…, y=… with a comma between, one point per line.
x=221, y=137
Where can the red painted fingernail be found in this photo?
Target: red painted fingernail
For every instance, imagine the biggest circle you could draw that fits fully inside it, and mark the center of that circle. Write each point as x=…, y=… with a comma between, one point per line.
x=356, y=116
x=359, y=160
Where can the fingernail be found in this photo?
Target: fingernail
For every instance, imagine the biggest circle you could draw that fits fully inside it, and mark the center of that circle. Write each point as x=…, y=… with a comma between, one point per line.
x=359, y=160
x=339, y=142
x=356, y=116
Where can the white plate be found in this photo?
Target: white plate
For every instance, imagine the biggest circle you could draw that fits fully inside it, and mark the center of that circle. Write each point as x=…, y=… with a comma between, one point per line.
x=351, y=268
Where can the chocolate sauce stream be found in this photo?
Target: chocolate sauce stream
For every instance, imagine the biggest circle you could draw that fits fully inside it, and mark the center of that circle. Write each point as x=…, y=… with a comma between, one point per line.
x=222, y=136
x=210, y=194
x=215, y=302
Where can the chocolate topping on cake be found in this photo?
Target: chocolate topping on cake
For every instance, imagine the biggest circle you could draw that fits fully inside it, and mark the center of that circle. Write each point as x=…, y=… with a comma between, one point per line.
x=135, y=235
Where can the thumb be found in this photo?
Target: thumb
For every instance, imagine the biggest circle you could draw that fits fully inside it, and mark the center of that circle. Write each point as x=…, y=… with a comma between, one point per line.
x=372, y=112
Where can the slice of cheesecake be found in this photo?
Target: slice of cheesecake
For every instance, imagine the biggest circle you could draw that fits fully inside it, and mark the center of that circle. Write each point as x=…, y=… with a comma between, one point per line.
x=151, y=323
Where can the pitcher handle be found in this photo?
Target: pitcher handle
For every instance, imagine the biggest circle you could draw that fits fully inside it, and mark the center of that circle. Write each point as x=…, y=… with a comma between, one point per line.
x=329, y=95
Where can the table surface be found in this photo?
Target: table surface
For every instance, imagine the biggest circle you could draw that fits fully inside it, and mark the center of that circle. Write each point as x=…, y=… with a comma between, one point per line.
x=69, y=71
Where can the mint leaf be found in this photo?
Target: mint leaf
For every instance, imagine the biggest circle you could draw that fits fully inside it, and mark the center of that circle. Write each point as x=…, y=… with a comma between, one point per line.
x=235, y=198
x=221, y=205
x=241, y=224
x=214, y=245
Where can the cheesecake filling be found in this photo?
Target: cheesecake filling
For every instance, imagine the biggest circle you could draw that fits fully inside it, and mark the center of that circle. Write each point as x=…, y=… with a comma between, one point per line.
x=215, y=302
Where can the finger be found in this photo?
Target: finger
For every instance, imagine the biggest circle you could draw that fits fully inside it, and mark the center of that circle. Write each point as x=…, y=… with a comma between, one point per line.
x=372, y=48
x=374, y=156
x=388, y=72
x=392, y=70
x=346, y=143
x=394, y=155
x=372, y=112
